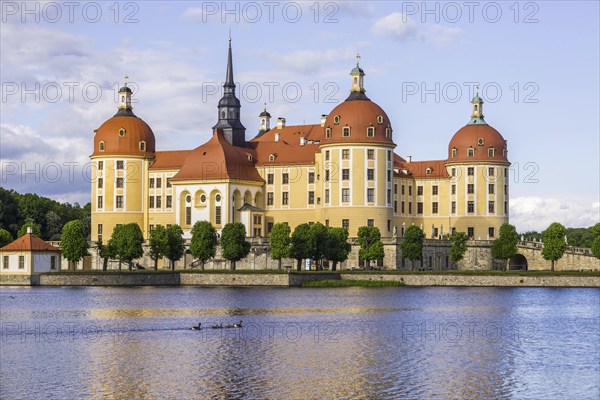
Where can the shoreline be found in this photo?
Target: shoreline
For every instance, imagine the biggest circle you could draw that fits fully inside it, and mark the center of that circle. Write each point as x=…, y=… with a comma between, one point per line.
x=296, y=279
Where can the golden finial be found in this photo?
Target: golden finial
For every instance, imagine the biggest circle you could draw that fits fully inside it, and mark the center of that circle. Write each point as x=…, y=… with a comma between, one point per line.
x=357, y=57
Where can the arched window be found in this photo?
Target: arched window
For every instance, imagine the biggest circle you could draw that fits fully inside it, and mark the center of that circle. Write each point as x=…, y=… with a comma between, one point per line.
x=346, y=131
x=142, y=146
x=101, y=146
x=370, y=131
x=428, y=171
x=388, y=133
x=123, y=99
x=223, y=114
x=491, y=152
x=328, y=133
x=470, y=152
x=454, y=152
x=380, y=119
x=355, y=80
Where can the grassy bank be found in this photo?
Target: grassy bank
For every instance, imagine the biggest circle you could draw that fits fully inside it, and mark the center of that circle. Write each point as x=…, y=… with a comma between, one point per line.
x=350, y=283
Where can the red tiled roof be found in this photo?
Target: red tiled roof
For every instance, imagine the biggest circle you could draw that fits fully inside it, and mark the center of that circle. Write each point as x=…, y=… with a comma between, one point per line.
x=418, y=169
x=288, y=150
x=29, y=242
x=170, y=159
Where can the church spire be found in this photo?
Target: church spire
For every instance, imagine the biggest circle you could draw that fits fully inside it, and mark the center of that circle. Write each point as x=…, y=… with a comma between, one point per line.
x=125, y=108
x=357, y=86
x=229, y=122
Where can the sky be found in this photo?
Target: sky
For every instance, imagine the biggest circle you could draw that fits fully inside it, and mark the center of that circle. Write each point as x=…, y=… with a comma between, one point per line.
x=537, y=64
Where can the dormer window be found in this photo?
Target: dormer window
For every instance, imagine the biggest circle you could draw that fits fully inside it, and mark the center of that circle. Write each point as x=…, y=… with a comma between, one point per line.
x=336, y=119
x=122, y=132
x=428, y=171
x=328, y=133
x=370, y=131
x=454, y=152
x=346, y=131
x=504, y=152
x=101, y=146
x=470, y=152
x=272, y=157
x=388, y=132
x=491, y=152
x=380, y=119
x=142, y=146
x=480, y=141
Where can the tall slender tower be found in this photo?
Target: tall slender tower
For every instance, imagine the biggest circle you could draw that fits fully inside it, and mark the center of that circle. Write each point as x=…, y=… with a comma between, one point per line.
x=229, y=109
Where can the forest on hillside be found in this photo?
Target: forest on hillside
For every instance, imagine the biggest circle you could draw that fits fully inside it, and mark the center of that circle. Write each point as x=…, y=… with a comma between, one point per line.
x=49, y=215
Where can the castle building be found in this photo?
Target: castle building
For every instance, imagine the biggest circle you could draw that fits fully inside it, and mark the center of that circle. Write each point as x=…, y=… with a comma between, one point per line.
x=343, y=171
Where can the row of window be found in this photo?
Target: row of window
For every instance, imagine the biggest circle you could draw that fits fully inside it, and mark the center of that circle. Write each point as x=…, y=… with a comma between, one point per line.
x=141, y=145
x=470, y=207
x=6, y=262
x=470, y=189
x=370, y=132
x=471, y=152
x=346, y=154
x=156, y=201
x=120, y=165
x=311, y=197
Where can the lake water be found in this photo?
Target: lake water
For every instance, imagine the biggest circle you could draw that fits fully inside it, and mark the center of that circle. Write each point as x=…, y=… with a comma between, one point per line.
x=300, y=343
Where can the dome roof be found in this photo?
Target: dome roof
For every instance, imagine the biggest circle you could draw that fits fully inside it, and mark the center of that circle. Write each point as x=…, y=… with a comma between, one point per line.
x=480, y=137
x=358, y=115
x=123, y=134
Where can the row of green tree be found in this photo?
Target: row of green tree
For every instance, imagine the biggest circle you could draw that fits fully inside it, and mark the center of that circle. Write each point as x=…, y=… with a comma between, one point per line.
x=46, y=216
x=576, y=237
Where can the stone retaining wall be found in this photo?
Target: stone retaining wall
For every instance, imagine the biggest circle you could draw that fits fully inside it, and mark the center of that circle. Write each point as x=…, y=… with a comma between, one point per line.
x=104, y=279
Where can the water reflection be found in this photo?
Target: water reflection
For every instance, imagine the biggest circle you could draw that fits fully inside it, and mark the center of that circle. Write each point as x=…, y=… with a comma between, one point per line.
x=300, y=344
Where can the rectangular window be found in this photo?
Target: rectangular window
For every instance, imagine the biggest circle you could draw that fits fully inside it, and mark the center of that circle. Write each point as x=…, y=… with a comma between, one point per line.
x=53, y=262
x=410, y=190
x=505, y=172
x=370, y=195
x=120, y=164
x=326, y=196
x=453, y=171
x=491, y=207
x=158, y=201
x=402, y=207
x=151, y=227
x=491, y=188
x=257, y=219
x=284, y=198
x=345, y=154
x=419, y=208
x=389, y=225
x=470, y=188
x=470, y=231
x=370, y=222
x=21, y=262
x=100, y=164
x=285, y=179
x=434, y=190
x=158, y=183
x=345, y=174
x=389, y=175
x=100, y=183
x=100, y=202
x=326, y=155
x=370, y=174
x=346, y=224
x=151, y=183
x=491, y=231
x=471, y=171
x=402, y=190
x=434, y=207
x=395, y=188
x=491, y=171
x=410, y=208
x=151, y=201
x=100, y=227
x=311, y=177
x=326, y=222
x=218, y=215
x=505, y=190
x=119, y=183
x=470, y=207
x=269, y=198
x=5, y=264
x=311, y=197
x=419, y=190
x=326, y=175
x=389, y=196
x=370, y=154
x=270, y=179
x=453, y=205
x=169, y=201
x=396, y=206
x=453, y=188
x=345, y=195
x=119, y=202
x=168, y=182
x=505, y=207
x=269, y=227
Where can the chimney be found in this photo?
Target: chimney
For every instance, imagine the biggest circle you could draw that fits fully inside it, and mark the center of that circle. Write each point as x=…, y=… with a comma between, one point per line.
x=408, y=159
x=29, y=229
x=280, y=123
x=323, y=118
x=277, y=136
x=302, y=141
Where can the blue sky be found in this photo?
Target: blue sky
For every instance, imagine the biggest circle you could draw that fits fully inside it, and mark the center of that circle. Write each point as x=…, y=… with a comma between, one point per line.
x=537, y=64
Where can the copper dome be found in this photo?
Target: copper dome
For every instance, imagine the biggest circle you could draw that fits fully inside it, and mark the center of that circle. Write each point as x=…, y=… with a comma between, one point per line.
x=480, y=138
x=358, y=115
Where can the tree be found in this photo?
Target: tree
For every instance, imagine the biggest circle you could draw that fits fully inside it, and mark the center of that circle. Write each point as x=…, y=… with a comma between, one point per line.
x=34, y=227
x=105, y=252
x=371, y=247
x=53, y=225
x=157, y=243
x=596, y=242
x=318, y=231
x=280, y=242
x=412, y=245
x=127, y=242
x=175, y=244
x=459, y=246
x=302, y=244
x=5, y=237
x=74, y=245
x=337, y=247
x=204, y=242
x=505, y=245
x=233, y=242
x=554, y=243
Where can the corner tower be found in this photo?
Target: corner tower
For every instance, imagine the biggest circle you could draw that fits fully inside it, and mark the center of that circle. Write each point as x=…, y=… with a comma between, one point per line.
x=229, y=109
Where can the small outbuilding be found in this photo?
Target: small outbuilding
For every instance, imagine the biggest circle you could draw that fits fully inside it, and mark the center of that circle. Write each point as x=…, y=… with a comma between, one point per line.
x=29, y=255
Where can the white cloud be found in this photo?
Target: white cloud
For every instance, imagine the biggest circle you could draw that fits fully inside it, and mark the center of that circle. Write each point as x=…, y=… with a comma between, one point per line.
x=401, y=27
x=536, y=213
